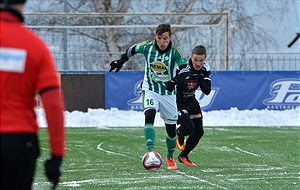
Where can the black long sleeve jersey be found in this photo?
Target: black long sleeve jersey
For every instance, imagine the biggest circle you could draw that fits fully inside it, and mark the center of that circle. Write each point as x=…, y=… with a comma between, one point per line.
x=189, y=80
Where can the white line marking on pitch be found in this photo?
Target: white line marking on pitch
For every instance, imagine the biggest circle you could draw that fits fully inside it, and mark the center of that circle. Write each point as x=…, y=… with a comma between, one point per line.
x=202, y=180
x=244, y=151
x=76, y=183
x=109, y=152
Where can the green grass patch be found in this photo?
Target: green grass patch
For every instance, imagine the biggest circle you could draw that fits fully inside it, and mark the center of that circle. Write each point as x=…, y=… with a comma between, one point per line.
x=227, y=158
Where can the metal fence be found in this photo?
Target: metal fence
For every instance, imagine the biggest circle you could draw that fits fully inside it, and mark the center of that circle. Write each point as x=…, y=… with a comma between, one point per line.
x=89, y=41
x=265, y=61
x=92, y=61
x=84, y=47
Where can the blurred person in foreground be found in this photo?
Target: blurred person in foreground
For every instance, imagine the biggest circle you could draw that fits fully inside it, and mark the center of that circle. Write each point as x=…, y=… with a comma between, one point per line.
x=190, y=119
x=26, y=67
x=162, y=58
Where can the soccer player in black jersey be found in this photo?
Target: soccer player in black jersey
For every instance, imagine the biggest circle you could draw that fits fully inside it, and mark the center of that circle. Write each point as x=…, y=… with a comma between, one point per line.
x=196, y=74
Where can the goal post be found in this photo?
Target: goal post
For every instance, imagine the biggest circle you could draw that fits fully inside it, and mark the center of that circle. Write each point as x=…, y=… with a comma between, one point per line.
x=80, y=41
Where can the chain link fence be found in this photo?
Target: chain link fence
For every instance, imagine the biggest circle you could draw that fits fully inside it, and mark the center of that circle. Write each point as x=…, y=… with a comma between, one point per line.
x=92, y=61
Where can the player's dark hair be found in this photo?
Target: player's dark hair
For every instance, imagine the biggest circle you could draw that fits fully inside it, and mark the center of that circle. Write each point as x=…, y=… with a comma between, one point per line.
x=199, y=50
x=162, y=28
x=8, y=5
x=12, y=1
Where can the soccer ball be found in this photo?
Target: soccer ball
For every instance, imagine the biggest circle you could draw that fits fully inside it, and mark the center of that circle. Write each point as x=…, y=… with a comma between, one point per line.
x=152, y=160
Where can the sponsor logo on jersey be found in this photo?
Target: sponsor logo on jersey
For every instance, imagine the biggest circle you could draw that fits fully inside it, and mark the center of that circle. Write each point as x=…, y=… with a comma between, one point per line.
x=12, y=60
x=161, y=78
x=192, y=85
x=285, y=94
x=158, y=67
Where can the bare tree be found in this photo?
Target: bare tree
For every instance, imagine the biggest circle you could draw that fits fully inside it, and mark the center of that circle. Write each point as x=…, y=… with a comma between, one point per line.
x=245, y=31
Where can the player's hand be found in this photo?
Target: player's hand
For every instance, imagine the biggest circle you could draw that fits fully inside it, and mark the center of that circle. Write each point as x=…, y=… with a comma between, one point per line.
x=170, y=86
x=200, y=79
x=53, y=169
x=116, y=64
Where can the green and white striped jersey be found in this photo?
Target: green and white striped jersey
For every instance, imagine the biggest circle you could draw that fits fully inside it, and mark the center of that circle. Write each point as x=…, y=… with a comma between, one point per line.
x=159, y=67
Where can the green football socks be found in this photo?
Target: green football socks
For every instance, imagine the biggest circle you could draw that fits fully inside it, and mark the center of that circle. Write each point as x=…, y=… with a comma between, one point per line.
x=149, y=134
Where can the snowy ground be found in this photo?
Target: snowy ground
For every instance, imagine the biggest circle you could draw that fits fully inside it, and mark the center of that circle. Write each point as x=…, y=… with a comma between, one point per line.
x=102, y=118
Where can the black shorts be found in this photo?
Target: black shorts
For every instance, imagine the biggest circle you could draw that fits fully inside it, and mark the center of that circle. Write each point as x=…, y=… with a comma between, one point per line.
x=19, y=153
x=191, y=105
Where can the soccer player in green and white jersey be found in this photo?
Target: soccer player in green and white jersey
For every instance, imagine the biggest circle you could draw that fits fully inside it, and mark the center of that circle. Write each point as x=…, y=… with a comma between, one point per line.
x=162, y=58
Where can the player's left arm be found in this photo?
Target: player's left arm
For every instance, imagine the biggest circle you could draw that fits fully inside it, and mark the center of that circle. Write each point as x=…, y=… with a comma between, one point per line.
x=179, y=78
x=54, y=106
x=181, y=60
x=205, y=86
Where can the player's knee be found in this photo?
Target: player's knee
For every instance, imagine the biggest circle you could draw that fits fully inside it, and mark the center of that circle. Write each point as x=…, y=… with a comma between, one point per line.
x=186, y=124
x=171, y=130
x=150, y=115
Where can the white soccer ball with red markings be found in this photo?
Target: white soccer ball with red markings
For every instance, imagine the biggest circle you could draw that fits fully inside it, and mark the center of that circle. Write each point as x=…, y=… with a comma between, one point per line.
x=152, y=160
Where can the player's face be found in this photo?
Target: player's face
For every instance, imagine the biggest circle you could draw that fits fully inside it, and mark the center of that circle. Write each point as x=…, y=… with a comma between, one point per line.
x=198, y=61
x=163, y=40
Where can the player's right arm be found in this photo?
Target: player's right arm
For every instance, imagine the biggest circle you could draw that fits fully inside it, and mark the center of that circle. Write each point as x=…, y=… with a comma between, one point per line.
x=117, y=64
x=131, y=51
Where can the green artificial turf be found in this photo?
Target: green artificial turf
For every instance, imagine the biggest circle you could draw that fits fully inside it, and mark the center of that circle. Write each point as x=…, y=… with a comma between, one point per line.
x=227, y=158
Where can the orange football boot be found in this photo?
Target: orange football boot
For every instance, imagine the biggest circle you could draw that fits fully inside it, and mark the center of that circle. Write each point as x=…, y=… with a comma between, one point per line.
x=171, y=163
